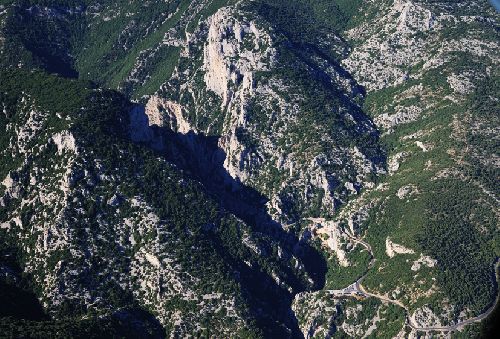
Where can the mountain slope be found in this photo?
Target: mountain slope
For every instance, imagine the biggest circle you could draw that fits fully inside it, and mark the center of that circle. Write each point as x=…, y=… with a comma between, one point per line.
x=225, y=168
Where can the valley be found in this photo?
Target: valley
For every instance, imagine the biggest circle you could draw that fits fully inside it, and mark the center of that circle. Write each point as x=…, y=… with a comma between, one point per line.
x=252, y=168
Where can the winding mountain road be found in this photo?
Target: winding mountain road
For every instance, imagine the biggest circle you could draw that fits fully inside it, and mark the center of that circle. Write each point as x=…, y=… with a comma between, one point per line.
x=357, y=289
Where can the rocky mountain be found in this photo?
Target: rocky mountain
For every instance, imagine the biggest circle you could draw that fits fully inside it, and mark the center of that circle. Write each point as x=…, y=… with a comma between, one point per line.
x=252, y=168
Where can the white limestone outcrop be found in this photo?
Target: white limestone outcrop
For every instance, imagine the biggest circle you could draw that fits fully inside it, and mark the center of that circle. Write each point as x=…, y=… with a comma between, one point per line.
x=65, y=142
x=392, y=249
x=166, y=113
x=424, y=260
x=235, y=49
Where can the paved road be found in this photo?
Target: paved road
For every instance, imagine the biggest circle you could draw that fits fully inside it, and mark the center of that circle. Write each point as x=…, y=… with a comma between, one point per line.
x=357, y=289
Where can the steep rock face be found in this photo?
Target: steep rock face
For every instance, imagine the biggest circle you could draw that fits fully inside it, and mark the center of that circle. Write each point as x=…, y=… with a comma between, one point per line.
x=99, y=226
x=164, y=113
x=269, y=126
x=233, y=52
x=247, y=104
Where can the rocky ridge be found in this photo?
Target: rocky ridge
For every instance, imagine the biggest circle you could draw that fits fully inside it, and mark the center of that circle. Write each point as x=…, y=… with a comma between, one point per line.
x=316, y=166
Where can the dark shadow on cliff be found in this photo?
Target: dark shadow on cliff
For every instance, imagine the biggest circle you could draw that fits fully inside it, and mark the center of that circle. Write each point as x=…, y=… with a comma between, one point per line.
x=16, y=297
x=203, y=160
